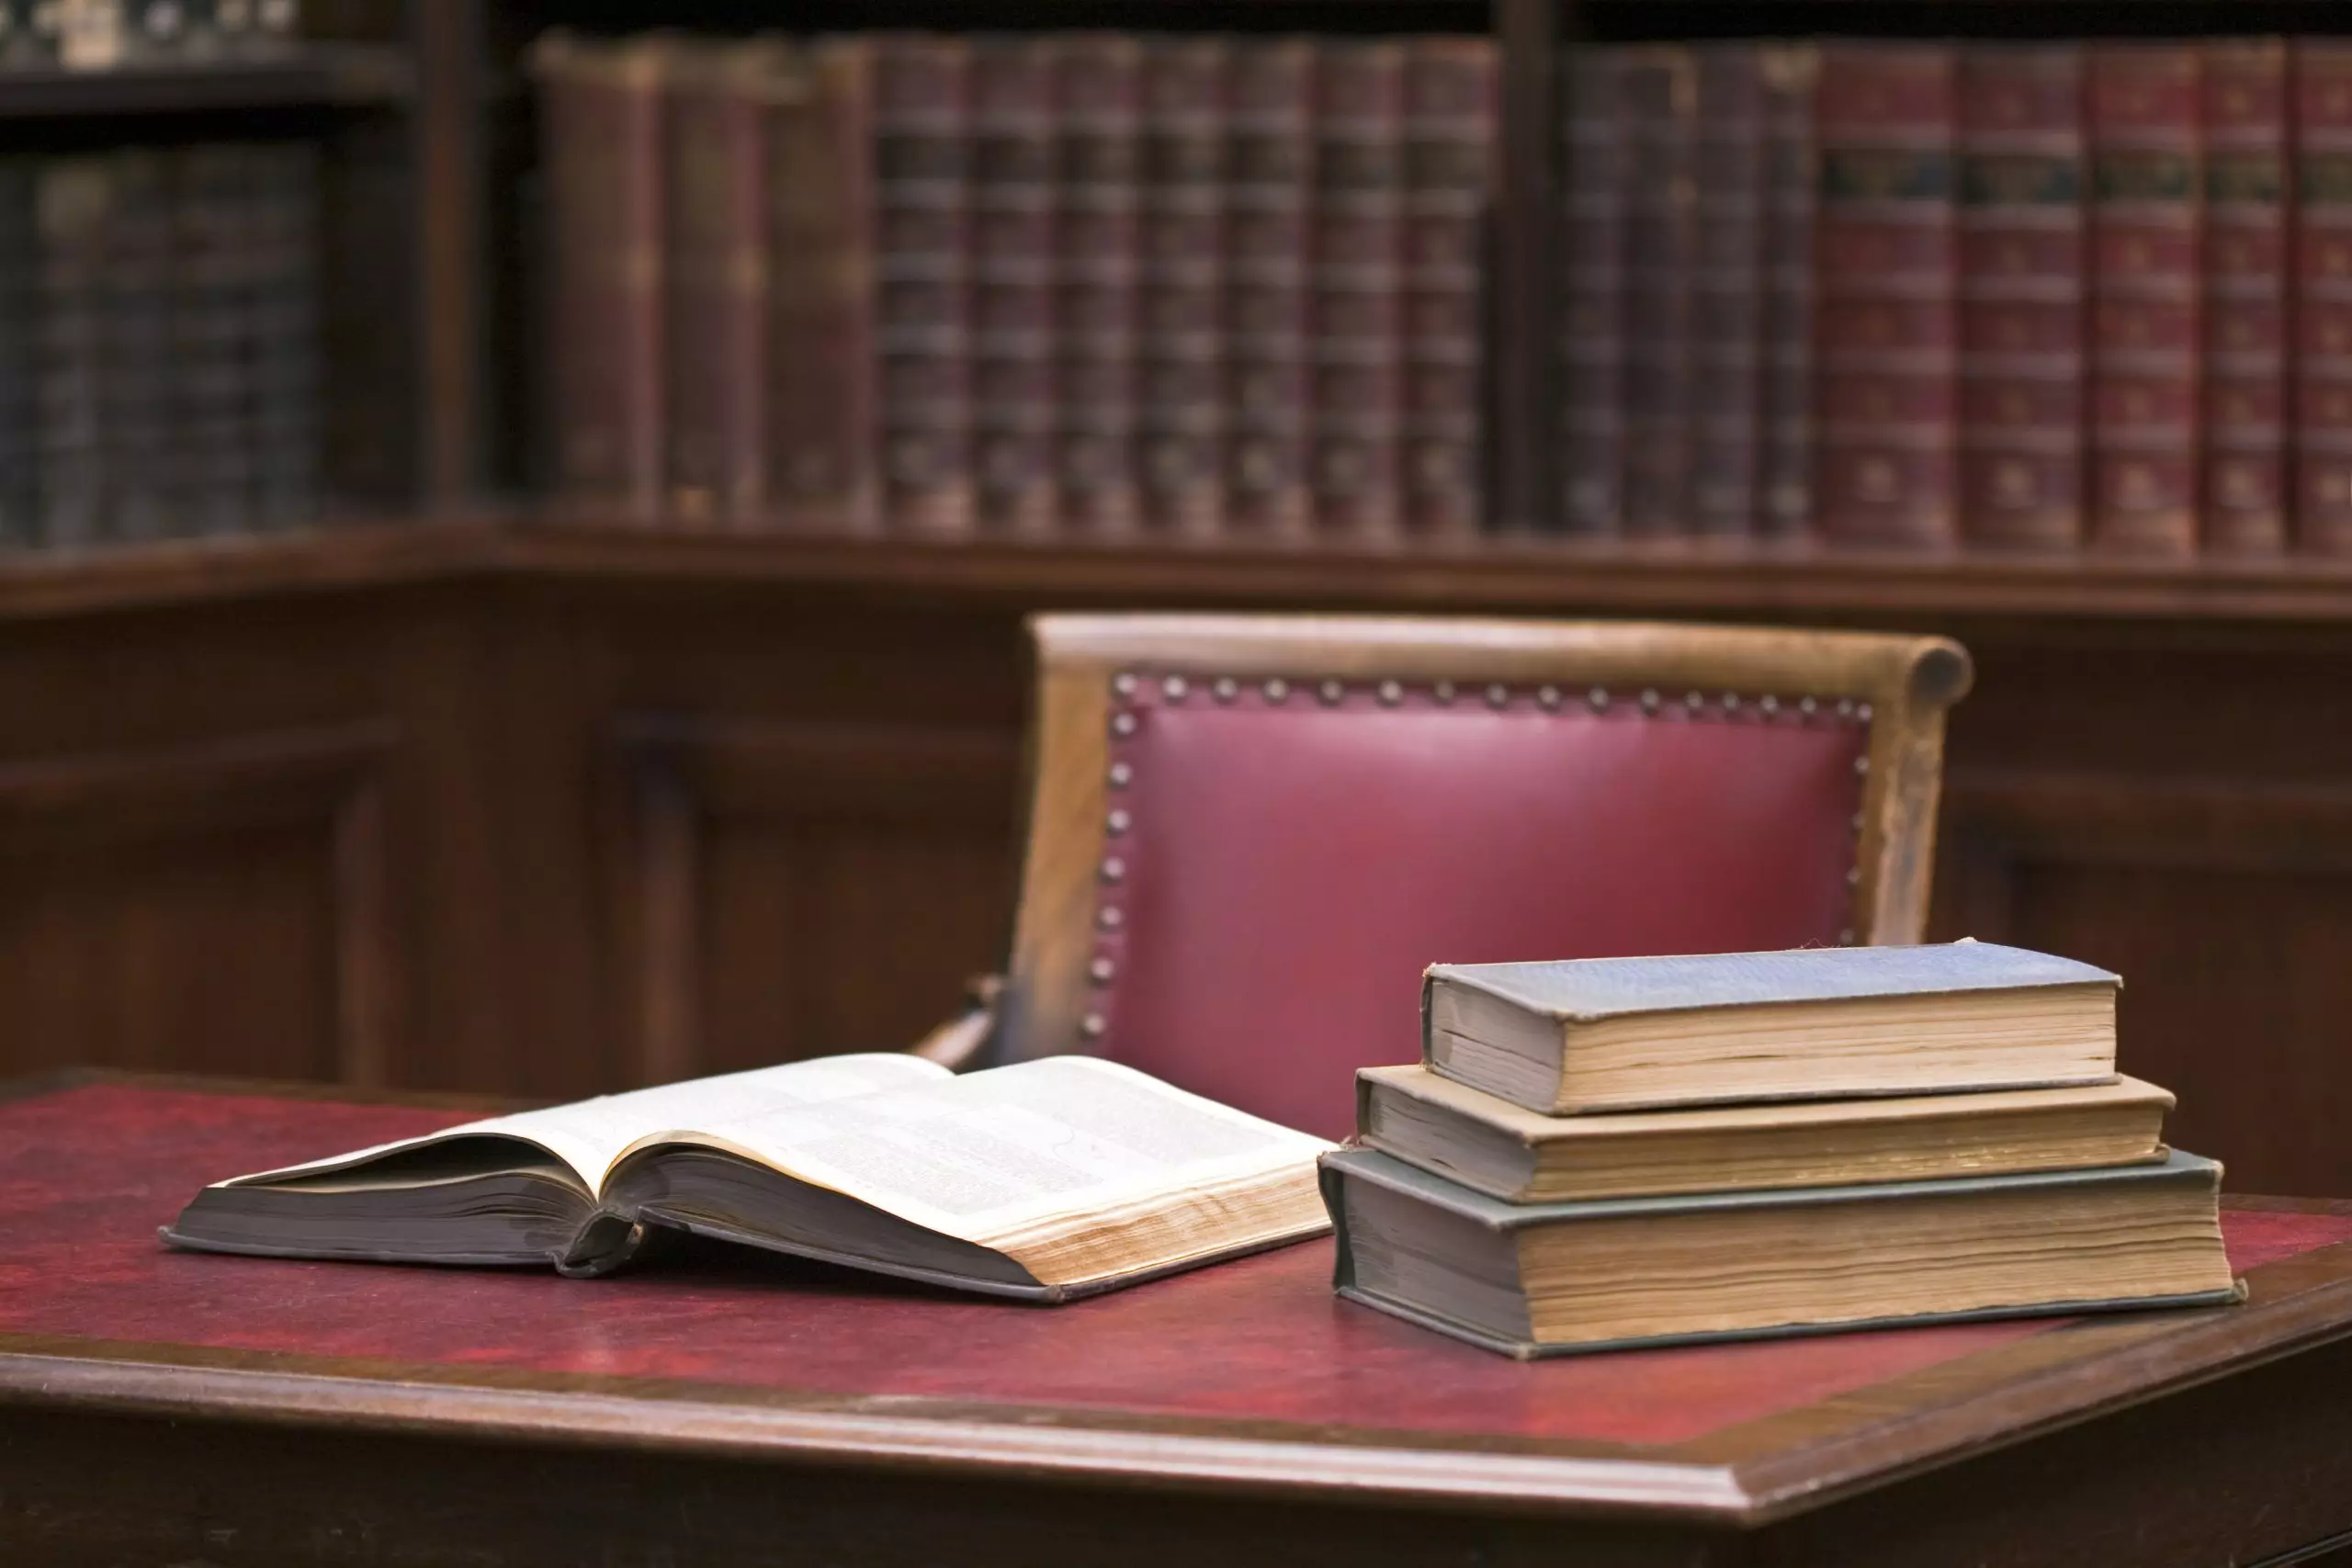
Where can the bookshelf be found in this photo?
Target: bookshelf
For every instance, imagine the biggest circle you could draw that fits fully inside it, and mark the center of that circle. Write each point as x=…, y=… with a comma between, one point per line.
x=484, y=789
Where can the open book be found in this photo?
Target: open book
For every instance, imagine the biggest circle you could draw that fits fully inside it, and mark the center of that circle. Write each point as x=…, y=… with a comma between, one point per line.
x=1048, y=1180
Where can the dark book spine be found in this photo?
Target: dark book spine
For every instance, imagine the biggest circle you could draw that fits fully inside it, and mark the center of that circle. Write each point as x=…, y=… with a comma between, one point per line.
x=19, y=317
x=2145, y=343
x=76, y=200
x=1268, y=287
x=825, y=389
x=2021, y=282
x=1185, y=87
x=135, y=350
x=216, y=320
x=1358, y=304
x=1661, y=257
x=1099, y=82
x=1451, y=107
x=1596, y=189
x=285, y=369
x=922, y=127
x=1727, y=320
x=600, y=120
x=2245, y=272
x=715, y=277
x=1014, y=287
x=1784, y=477
x=1887, y=284
x=2322, y=285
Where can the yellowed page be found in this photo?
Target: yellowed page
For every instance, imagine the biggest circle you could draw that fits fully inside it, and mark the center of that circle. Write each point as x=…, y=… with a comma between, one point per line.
x=983, y=1155
x=590, y=1135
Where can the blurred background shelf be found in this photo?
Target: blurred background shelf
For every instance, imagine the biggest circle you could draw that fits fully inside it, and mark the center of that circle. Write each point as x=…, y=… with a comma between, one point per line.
x=312, y=76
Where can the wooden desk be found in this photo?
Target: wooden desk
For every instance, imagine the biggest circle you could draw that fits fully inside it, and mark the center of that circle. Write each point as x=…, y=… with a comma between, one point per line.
x=166, y=1408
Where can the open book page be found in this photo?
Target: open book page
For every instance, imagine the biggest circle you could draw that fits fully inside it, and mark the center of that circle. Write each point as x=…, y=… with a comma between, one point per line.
x=984, y=1155
x=590, y=1135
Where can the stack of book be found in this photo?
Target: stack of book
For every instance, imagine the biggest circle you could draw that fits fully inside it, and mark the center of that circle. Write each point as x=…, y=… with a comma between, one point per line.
x=2012, y=296
x=1654, y=1150
x=158, y=343
x=1082, y=282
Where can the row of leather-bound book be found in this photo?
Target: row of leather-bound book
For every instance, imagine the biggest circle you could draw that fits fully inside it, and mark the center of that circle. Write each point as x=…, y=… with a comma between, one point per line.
x=159, y=343
x=2038, y=295
x=1060, y=282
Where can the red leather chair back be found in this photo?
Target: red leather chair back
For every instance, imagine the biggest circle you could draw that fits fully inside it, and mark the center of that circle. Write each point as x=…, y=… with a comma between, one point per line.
x=1280, y=859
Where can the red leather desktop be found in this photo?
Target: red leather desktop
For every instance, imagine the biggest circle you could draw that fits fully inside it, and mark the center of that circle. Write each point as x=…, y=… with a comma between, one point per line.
x=87, y=1175
x=1278, y=874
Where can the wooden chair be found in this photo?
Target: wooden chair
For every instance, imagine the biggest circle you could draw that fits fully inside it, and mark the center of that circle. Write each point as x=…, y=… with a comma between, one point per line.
x=1248, y=834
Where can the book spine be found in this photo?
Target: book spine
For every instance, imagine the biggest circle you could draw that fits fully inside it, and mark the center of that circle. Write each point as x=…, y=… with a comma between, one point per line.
x=1886, y=280
x=1357, y=311
x=214, y=357
x=1100, y=80
x=2145, y=344
x=2021, y=281
x=287, y=373
x=1269, y=281
x=1452, y=87
x=922, y=261
x=19, y=384
x=1732, y=239
x=1014, y=283
x=1661, y=257
x=824, y=397
x=601, y=115
x=2323, y=299
x=1595, y=193
x=715, y=277
x=2245, y=272
x=135, y=349
x=1186, y=83
x=76, y=198
x=1784, y=479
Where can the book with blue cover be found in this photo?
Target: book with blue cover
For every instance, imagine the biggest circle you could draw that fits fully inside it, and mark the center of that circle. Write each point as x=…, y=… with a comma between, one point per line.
x=1812, y=1024
x=1531, y=1279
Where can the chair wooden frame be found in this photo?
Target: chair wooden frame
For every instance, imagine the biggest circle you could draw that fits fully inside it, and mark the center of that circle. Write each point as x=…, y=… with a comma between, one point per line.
x=1901, y=686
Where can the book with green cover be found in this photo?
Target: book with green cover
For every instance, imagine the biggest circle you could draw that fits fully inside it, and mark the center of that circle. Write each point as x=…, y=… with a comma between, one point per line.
x=1555, y=1278
x=1811, y=1024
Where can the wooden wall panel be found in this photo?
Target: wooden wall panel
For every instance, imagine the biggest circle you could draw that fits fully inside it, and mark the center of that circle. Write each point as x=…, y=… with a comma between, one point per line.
x=217, y=908
x=787, y=889
x=2227, y=907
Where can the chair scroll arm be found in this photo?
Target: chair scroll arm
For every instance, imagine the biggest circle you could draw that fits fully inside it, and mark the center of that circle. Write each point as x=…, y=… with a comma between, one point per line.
x=958, y=1042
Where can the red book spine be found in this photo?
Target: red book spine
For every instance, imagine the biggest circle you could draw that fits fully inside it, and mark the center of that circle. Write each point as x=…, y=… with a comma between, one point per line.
x=1450, y=104
x=824, y=402
x=1357, y=308
x=601, y=119
x=2322, y=521
x=922, y=261
x=1595, y=191
x=1099, y=78
x=2246, y=266
x=2145, y=343
x=1185, y=85
x=1886, y=333
x=1270, y=183
x=1727, y=287
x=1784, y=478
x=1660, y=94
x=715, y=97
x=1014, y=293
x=2022, y=280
